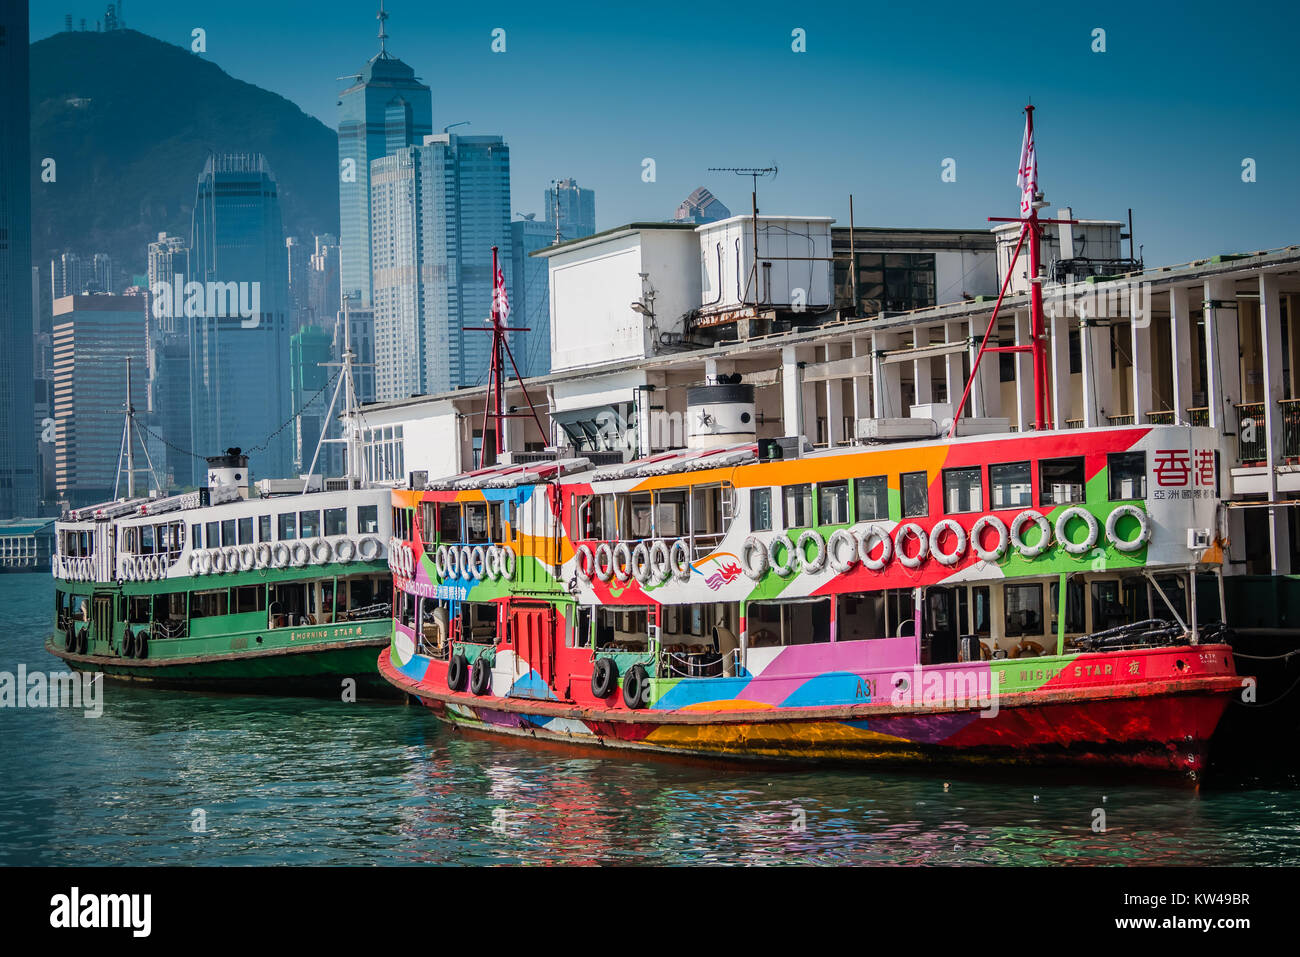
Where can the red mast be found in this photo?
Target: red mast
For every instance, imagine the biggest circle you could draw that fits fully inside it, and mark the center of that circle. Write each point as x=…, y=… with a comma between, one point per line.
x=1037, y=346
x=492, y=407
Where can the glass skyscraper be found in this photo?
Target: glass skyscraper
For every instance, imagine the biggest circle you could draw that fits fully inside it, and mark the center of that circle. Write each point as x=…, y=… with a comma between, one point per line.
x=436, y=212
x=386, y=109
x=18, y=484
x=530, y=299
x=573, y=207
x=239, y=365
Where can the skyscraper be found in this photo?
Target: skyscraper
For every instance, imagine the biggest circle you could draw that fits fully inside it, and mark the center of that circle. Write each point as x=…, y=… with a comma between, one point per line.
x=530, y=305
x=239, y=357
x=168, y=350
x=436, y=212
x=385, y=109
x=573, y=207
x=701, y=207
x=17, y=439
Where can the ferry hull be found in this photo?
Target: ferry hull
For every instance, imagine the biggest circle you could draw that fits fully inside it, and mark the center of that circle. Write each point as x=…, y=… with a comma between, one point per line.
x=1159, y=726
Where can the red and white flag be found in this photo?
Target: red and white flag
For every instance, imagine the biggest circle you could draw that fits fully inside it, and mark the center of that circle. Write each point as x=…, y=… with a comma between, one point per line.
x=500, y=301
x=1027, y=175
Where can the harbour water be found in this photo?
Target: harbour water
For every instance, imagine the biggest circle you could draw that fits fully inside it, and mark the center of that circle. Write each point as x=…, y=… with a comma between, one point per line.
x=174, y=778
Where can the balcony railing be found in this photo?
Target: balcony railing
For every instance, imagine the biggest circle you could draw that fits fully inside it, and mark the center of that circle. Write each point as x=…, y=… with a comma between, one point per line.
x=1252, y=437
x=1074, y=423
x=1163, y=417
x=1290, y=427
x=1199, y=415
x=1121, y=419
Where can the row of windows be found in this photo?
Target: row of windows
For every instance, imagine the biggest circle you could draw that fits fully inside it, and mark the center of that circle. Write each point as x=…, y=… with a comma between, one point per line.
x=286, y=526
x=1060, y=482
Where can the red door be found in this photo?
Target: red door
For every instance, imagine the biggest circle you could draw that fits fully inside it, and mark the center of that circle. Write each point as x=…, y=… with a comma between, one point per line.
x=533, y=627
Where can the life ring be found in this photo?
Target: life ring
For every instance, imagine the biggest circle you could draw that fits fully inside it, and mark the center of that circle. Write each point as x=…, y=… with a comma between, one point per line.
x=159, y=567
x=977, y=533
x=128, y=568
x=1144, y=528
x=480, y=676
x=492, y=562
x=959, y=549
x=194, y=563
x=247, y=557
x=1027, y=649
x=464, y=559
x=623, y=569
x=345, y=550
x=369, y=548
x=661, y=566
x=301, y=554
x=604, y=563
x=818, y=561
x=922, y=542
x=679, y=557
x=604, y=678
x=456, y=669
x=1018, y=525
x=753, y=556
x=1062, y=526
x=264, y=555
x=451, y=562
x=218, y=561
x=232, y=558
x=636, y=687
x=205, y=563
x=867, y=541
x=322, y=552
x=791, y=559
x=477, y=563
x=440, y=561
x=584, y=562
x=280, y=555
x=840, y=539
x=639, y=563
x=508, y=561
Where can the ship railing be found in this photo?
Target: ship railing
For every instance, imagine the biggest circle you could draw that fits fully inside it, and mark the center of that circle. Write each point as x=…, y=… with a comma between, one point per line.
x=171, y=629
x=381, y=609
x=700, y=664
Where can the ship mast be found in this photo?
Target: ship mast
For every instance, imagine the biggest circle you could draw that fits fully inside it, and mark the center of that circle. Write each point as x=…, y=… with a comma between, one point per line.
x=345, y=387
x=130, y=433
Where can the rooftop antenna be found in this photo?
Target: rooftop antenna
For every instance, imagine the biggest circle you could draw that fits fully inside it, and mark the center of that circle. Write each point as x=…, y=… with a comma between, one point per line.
x=382, y=16
x=754, y=173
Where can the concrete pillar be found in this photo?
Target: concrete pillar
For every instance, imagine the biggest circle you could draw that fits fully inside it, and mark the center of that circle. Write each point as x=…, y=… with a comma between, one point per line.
x=1024, y=372
x=954, y=380
x=792, y=412
x=1097, y=380
x=1223, y=355
x=1270, y=338
x=1180, y=351
x=861, y=383
x=834, y=402
x=886, y=379
x=1140, y=338
x=1058, y=357
x=922, y=375
x=986, y=392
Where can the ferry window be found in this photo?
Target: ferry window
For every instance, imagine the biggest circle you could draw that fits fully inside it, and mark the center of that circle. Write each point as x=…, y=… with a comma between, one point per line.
x=798, y=505
x=336, y=521
x=228, y=532
x=872, y=498
x=587, y=515
x=367, y=519
x=1128, y=475
x=196, y=536
x=1060, y=481
x=246, y=531
x=476, y=530
x=833, y=503
x=206, y=604
x=146, y=539
x=1024, y=610
x=760, y=509
x=1009, y=485
x=982, y=617
x=916, y=494
x=639, y=524
x=708, y=506
x=264, y=528
x=1175, y=589
x=213, y=534
x=448, y=522
x=496, y=529
x=309, y=524
x=249, y=598
x=670, y=513
x=963, y=489
x=288, y=526
x=1074, y=607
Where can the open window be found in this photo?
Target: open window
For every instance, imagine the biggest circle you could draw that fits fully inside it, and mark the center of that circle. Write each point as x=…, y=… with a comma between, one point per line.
x=1061, y=481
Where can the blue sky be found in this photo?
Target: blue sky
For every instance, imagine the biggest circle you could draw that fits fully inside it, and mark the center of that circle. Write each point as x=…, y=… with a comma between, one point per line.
x=1161, y=121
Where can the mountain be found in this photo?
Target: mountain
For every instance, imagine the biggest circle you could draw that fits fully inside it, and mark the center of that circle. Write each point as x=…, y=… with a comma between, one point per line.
x=129, y=120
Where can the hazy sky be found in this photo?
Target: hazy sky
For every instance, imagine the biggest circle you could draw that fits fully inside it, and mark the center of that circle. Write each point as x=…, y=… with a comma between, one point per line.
x=1161, y=121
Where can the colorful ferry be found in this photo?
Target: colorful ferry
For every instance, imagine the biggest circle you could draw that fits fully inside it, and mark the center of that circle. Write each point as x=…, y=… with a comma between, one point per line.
x=1035, y=598
x=226, y=589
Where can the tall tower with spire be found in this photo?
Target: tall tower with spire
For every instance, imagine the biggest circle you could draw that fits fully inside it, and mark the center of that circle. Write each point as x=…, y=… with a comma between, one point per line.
x=386, y=108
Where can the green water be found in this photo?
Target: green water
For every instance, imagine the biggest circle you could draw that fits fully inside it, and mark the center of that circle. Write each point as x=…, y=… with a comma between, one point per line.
x=289, y=781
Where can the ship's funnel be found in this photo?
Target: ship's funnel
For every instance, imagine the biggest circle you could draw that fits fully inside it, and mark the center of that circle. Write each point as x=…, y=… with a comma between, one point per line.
x=720, y=415
x=228, y=476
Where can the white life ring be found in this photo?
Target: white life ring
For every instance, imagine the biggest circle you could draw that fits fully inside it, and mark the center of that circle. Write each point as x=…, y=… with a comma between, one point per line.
x=128, y=568
x=194, y=563
x=232, y=558
x=1018, y=526
x=867, y=541
x=508, y=561
x=1144, y=528
x=159, y=567
x=791, y=564
x=369, y=548
x=959, y=549
x=218, y=561
x=247, y=557
x=679, y=557
x=345, y=550
x=840, y=538
x=639, y=563
x=977, y=532
x=818, y=561
x=1062, y=526
x=440, y=561
x=322, y=552
x=301, y=554
x=623, y=569
x=661, y=568
x=584, y=562
x=205, y=562
x=922, y=541
x=604, y=564
x=464, y=560
x=451, y=562
x=264, y=555
x=492, y=562
x=753, y=556
x=281, y=555
x=477, y=563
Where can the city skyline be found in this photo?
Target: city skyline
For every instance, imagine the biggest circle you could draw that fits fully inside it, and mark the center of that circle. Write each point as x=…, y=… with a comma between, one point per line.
x=912, y=102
